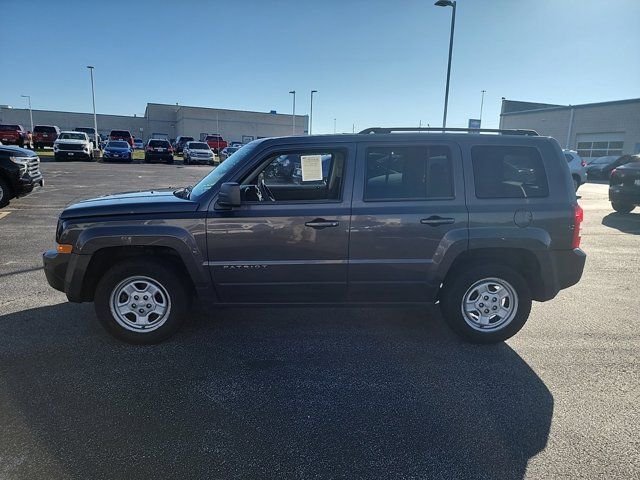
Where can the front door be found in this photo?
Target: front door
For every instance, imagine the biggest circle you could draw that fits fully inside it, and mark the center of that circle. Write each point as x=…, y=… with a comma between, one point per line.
x=288, y=241
x=408, y=210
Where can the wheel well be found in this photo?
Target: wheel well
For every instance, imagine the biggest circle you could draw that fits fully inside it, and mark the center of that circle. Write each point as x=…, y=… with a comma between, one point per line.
x=106, y=257
x=522, y=261
x=9, y=183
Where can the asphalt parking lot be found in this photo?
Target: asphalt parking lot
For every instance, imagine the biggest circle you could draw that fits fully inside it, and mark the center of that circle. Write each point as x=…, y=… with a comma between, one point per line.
x=306, y=393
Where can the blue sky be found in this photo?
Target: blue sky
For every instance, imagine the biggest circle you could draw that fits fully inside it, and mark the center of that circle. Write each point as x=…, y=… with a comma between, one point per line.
x=374, y=63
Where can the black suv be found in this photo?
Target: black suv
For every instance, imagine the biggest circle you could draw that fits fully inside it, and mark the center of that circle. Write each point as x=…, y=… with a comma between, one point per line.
x=19, y=173
x=158, y=149
x=180, y=142
x=481, y=223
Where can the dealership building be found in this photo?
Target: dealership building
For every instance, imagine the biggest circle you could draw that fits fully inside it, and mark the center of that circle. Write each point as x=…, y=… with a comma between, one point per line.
x=593, y=129
x=170, y=120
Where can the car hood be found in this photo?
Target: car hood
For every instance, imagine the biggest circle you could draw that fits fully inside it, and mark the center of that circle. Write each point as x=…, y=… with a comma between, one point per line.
x=70, y=140
x=130, y=203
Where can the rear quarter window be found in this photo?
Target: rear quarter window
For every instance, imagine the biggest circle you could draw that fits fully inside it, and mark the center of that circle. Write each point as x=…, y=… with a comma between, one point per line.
x=508, y=172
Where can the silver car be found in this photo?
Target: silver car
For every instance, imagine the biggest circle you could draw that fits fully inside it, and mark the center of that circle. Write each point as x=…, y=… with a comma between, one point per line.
x=576, y=167
x=197, y=152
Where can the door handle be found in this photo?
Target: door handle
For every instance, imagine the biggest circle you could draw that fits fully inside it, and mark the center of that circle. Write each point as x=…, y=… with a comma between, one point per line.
x=320, y=223
x=436, y=221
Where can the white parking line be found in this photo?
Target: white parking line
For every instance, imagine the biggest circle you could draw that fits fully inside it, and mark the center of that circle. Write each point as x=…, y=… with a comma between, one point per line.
x=3, y=214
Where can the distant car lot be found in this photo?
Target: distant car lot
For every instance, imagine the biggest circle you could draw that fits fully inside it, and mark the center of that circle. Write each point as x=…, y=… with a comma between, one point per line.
x=375, y=393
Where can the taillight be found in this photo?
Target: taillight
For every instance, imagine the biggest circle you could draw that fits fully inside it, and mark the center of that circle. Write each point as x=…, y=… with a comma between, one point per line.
x=578, y=217
x=170, y=149
x=583, y=163
x=149, y=148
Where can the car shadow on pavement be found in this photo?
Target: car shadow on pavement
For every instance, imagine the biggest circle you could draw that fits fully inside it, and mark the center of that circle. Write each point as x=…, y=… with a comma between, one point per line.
x=626, y=223
x=265, y=393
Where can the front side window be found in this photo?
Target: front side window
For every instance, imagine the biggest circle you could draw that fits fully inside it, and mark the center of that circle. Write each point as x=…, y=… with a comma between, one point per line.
x=508, y=172
x=297, y=177
x=408, y=173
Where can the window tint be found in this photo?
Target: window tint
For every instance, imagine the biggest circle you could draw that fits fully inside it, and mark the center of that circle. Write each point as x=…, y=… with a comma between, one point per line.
x=44, y=129
x=159, y=143
x=120, y=133
x=299, y=176
x=198, y=146
x=419, y=173
x=508, y=172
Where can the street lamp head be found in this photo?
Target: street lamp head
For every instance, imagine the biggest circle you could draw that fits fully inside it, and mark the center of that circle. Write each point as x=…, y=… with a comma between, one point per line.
x=444, y=3
x=90, y=66
x=24, y=96
x=314, y=91
x=293, y=91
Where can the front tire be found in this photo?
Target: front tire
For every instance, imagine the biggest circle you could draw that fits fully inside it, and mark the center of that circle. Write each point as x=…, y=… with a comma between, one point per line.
x=5, y=193
x=486, y=304
x=141, y=301
x=622, y=207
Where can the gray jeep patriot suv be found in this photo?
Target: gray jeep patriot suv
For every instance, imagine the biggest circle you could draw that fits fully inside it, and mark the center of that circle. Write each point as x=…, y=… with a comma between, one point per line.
x=481, y=223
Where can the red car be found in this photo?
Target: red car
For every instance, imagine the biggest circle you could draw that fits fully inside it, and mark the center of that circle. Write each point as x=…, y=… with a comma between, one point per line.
x=216, y=142
x=45, y=135
x=122, y=135
x=13, y=135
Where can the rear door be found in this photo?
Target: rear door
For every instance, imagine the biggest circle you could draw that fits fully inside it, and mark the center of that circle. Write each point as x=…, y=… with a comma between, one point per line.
x=408, y=210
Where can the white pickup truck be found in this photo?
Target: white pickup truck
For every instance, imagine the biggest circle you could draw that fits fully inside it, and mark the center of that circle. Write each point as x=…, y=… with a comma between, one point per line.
x=72, y=145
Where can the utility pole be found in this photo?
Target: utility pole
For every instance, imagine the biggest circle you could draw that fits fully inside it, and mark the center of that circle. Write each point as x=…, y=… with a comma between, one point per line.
x=311, y=112
x=293, y=132
x=30, y=112
x=95, y=119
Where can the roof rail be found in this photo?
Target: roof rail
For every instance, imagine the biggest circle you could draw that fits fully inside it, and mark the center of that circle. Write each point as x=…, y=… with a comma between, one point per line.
x=381, y=130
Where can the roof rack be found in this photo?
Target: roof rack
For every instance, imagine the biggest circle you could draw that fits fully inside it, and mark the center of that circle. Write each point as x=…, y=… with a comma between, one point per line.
x=381, y=130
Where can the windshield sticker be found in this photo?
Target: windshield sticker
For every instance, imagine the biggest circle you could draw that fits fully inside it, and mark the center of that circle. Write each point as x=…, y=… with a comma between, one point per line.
x=311, y=167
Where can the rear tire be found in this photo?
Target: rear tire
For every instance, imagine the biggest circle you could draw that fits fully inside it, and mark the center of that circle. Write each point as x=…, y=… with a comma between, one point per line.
x=622, y=207
x=5, y=193
x=162, y=301
x=486, y=315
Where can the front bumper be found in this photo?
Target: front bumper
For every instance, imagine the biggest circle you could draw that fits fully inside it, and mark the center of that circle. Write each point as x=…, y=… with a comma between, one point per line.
x=116, y=158
x=207, y=160
x=72, y=154
x=55, y=268
x=27, y=184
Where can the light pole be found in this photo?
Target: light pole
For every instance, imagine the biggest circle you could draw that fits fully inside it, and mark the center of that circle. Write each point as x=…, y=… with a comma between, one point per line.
x=95, y=119
x=334, y=125
x=481, y=105
x=448, y=3
x=294, y=111
x=311, y=112
x=30, y=112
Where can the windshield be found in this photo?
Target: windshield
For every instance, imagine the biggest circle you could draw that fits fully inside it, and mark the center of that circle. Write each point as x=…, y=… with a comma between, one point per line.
x=218, y=173
x=117, y=144
x=71, y=136
x=198, y=146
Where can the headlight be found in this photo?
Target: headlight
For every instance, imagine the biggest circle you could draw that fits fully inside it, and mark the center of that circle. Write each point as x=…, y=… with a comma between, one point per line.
x=20, y=160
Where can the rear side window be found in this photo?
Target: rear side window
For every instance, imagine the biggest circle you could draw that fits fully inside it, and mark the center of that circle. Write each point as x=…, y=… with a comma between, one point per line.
x=44, y=129
x=408, y=173
x=120, y=133
x=508, y=172
x=9, y=128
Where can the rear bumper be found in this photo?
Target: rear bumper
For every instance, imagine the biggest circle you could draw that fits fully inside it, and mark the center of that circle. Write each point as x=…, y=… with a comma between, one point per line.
x=165, y=157
x=560, y=269
x=624, y=195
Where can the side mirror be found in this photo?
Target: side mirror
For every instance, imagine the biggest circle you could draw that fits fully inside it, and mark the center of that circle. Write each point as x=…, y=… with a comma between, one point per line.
x=229, y=195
